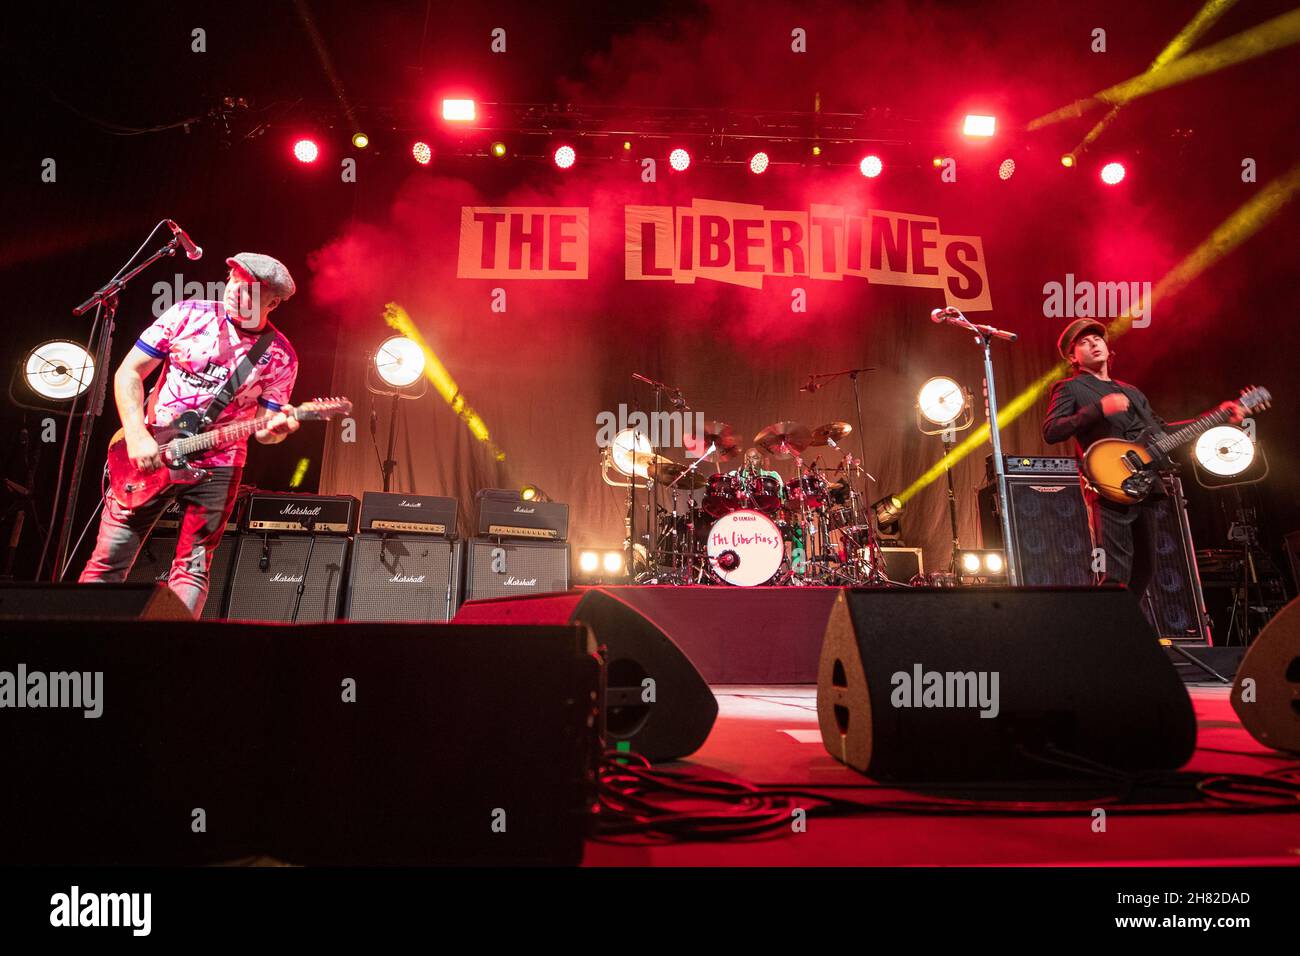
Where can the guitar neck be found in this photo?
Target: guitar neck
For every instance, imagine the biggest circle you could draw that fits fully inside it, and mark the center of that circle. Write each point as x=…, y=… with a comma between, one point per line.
x=220, y=436
x=1168, y=442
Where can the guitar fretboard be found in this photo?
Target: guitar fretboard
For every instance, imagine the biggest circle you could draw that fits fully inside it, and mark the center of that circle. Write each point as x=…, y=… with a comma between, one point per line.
x=1171, y=440
x=218, y=436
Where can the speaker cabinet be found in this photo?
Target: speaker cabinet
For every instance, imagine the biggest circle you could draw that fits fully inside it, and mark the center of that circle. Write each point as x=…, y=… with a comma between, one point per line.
x=1174, y=602
x=656, y=701
x=403, y=577
x=154, y=563
x=1049, y=529
x=495, y=568
x=269, y=568
x=997, y=683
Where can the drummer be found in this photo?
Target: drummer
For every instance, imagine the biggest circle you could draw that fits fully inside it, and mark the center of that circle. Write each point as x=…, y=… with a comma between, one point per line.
x=752, y=465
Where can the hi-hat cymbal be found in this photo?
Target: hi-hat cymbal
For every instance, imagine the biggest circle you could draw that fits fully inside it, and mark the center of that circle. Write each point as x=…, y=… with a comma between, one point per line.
x=784, y=439
x=666, y=472
x=719, y=434
x=834, y=431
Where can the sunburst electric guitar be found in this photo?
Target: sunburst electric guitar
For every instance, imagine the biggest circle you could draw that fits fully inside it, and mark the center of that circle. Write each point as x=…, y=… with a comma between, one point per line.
x=131, y=488
x=1125, y=471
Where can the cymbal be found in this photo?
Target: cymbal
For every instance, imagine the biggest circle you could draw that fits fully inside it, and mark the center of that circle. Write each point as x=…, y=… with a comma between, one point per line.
x=714, y=433
x=784, y=439
x=834, y=431
x=668, y=471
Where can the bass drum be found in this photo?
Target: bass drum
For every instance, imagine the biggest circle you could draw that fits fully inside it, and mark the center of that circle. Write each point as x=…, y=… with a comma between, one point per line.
x=745, y=548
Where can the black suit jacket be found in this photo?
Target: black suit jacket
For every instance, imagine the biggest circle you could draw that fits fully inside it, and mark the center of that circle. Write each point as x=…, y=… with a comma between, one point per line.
x=1074, y=411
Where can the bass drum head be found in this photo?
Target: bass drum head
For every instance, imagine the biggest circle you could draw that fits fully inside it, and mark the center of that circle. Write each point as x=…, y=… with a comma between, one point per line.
x=745, y=548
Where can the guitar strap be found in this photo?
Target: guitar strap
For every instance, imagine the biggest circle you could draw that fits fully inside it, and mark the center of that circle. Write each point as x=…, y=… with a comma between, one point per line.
x=238, y=377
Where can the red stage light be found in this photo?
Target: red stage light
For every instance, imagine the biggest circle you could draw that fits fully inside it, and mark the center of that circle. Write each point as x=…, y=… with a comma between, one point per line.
x=422, y=153
x=679, y=159
x=977, y=125
x=458, y=111
x=565, y=157
x=1007, y=169
x=306, y=151
x=871, y=166
x=1112, y=173
x=758, y=162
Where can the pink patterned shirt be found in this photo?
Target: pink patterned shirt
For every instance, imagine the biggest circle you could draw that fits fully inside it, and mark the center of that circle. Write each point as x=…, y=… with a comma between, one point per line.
x=202, y=345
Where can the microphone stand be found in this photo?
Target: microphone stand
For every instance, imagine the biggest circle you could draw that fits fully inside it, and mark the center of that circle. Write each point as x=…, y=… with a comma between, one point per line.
x=984, y=336
x=652, y=490
x=105, y=297
x=306, y=566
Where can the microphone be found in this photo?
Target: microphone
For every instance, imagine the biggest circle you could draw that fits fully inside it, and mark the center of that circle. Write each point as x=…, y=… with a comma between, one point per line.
x=954, y=317
x=809, y=386
x=191, y=250
x=945, y=314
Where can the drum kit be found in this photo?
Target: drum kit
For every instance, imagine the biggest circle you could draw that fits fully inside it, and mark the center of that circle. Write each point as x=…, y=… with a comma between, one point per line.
x=747, y=527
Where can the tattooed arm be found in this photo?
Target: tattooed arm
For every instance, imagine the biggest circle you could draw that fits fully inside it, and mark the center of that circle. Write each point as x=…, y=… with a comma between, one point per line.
x=128, y=390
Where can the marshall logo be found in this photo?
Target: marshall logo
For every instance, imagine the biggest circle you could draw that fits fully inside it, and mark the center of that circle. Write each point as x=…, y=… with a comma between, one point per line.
x=410, y=504
x=300, y=510
x=1049, y=488
x=514, y=582
x=281, y=578
x=406, y=579
x=520, y=509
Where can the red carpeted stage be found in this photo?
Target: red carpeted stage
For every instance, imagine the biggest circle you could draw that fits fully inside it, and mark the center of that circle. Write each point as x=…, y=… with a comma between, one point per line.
x=769, y=735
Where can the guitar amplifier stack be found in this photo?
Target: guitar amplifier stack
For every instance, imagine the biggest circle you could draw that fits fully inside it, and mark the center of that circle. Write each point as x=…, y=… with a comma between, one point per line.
x=521, y=547
x=405, y=560
x=1053, y=546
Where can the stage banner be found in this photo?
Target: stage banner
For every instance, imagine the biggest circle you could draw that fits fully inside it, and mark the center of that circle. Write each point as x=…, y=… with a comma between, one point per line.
x=732, y=242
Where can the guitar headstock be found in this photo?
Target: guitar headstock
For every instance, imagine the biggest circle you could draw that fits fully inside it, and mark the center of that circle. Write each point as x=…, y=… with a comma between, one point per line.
x=1255, y=398
x=321, y=409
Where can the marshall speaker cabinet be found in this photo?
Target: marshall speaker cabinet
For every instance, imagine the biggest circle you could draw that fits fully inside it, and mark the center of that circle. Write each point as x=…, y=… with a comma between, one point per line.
x=496, y=568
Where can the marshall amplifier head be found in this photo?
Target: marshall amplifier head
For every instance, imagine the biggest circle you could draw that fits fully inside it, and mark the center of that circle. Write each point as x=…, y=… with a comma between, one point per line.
x=408, y=514
x=503, y=514
x=321, y=514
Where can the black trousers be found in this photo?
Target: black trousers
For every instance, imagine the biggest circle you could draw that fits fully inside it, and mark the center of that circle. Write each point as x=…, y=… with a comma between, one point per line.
x=1126, y=535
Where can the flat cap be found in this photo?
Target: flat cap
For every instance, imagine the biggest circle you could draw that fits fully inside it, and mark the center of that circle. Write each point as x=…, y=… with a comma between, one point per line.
x=1075, y=329
x=267, y=270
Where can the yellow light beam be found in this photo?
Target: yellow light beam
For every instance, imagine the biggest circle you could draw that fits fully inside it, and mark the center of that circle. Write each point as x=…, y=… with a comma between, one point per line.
x=1274, y=34
x=1204, y=19
x=1244, y=222
x=398, y=318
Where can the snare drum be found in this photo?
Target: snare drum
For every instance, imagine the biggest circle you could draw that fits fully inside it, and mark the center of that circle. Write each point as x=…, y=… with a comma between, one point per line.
x=745, y=548
x=807, y=490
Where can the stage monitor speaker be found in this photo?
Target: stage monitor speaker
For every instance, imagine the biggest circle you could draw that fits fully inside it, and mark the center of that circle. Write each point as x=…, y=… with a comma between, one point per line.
x=998, y=683
x=154, y=563
x=1269, y=706
x=497, y=568
x=402, y=577
x=1174, y=602
x=656, y=701
x=269, y=568
x=145, y=602
x=366, y=744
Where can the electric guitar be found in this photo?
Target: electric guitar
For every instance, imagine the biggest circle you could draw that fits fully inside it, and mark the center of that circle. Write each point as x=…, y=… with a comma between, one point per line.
x=131, y=488
x=1126, y=471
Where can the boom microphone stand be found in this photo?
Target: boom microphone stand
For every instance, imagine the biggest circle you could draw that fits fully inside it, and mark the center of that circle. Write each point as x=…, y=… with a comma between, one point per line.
x=104, y=298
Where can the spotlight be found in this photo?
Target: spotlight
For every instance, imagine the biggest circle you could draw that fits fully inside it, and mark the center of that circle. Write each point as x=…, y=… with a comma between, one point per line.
x=983, y=567
x=498, y=149
x=631, y=453
x=627, y=144
x=422, y=153
x=1225, y=450
x=1067, y=160
x=679, y=159
x=399, y=362
x=306, y=151
x=1112, y=173
x=977, y=125
x=1007, y=169
x=970, y=563
x=993, y=562
x=758, y=163
x=588, y=561
x=360, y=140
x=938, y=161
x=458, y=111
x=888, y=510
x=565, y=156
x=613, y=562
x=941, y=401
x=816, y=150
x=533, y=493
x=58, y=370
x=871, y=166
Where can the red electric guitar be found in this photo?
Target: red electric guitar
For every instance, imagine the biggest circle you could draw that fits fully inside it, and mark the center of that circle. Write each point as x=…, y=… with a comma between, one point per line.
x=131, y=488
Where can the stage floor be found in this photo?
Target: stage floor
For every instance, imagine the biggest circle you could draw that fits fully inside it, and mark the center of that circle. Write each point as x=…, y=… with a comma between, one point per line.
x=768, y=734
